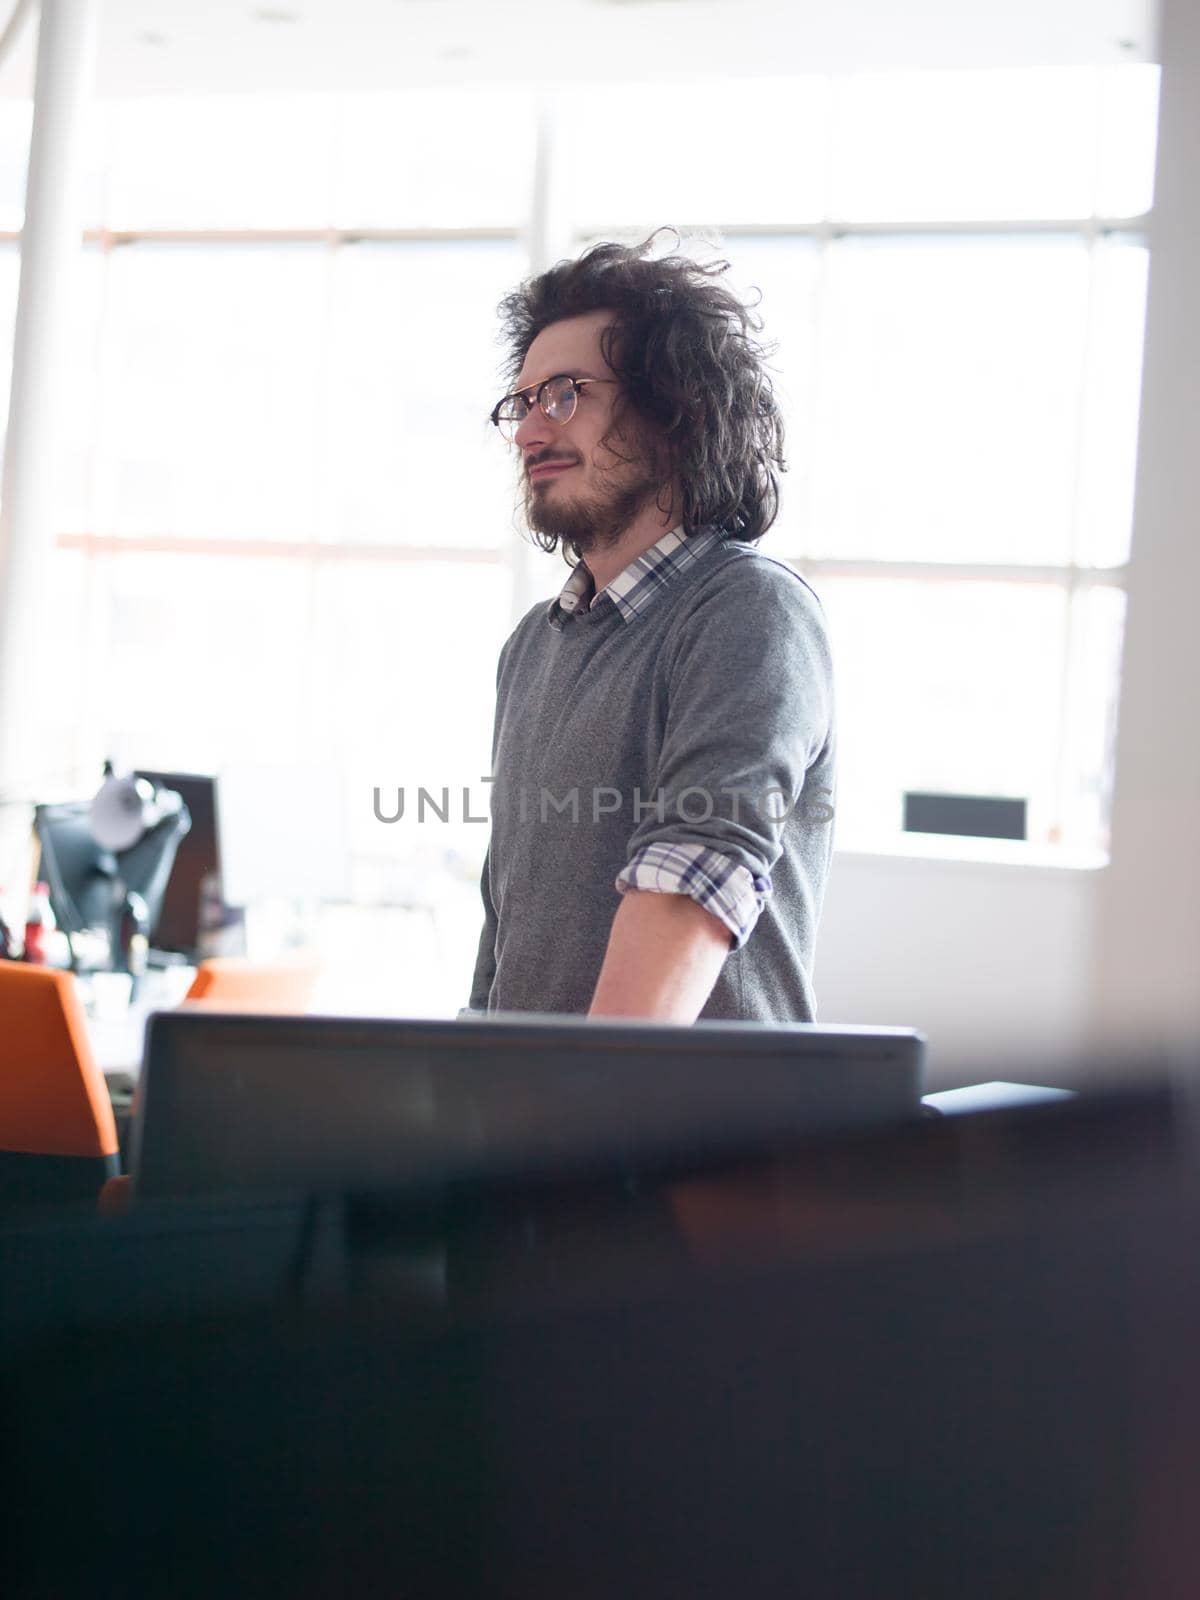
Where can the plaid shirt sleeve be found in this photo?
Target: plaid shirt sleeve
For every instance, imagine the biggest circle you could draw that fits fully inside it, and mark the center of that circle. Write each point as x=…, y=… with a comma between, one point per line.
x=724, y=887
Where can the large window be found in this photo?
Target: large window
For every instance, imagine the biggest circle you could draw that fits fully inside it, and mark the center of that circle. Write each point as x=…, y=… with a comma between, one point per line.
x=284, y=530
x=953, y=268
x=284, y=527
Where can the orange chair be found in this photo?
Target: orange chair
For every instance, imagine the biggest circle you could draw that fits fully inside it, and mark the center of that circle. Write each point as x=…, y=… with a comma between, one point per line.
x=234, y=984
x=58, y=1138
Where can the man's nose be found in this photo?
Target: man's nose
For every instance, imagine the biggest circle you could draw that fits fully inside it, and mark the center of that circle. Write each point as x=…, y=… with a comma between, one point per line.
x=535, y=429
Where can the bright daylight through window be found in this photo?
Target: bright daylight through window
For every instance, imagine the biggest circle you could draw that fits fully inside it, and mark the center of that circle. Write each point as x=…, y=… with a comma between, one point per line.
x=284, y=356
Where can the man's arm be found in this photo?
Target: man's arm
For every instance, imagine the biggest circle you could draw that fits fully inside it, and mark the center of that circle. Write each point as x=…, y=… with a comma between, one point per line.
x=749, y=713
x=664, y=954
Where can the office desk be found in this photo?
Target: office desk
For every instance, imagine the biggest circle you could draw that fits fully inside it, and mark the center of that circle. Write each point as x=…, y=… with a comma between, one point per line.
x=117, y=1035
x=980, y=1381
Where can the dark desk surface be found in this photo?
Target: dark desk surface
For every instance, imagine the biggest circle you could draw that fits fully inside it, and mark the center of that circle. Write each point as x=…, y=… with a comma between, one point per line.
x=957, y=1360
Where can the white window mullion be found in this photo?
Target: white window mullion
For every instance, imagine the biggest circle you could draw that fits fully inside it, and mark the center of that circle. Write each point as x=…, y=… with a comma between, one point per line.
x=1067, y=775
x=821, y=346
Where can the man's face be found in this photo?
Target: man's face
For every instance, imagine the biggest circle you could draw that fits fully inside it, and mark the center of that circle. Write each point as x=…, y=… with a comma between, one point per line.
x=576, y=488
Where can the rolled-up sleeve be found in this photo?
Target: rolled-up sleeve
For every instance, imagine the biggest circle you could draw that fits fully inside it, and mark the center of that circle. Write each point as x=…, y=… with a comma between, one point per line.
x=724, y=887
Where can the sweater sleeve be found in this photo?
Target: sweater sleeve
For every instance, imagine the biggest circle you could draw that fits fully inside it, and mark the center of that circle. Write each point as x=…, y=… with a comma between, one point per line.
x=749, y=707
x=485, y=959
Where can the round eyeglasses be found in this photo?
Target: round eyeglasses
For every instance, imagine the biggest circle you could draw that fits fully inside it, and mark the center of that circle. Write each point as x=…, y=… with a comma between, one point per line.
x=557, y=396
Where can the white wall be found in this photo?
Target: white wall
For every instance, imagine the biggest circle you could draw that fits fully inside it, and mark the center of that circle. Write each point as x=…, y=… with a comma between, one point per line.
x=1146, y=983
x=990, y=959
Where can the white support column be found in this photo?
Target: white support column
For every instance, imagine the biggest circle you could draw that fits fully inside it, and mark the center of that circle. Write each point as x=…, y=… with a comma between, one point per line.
x=50, y=244
x=1146, y=986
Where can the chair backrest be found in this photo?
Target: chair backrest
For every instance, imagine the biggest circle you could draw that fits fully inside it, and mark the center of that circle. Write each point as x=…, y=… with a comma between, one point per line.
x=58, y=1137
x=237, y=985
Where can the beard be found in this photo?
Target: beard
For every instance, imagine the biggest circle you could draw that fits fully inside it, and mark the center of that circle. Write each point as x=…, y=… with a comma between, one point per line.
x=591, y=522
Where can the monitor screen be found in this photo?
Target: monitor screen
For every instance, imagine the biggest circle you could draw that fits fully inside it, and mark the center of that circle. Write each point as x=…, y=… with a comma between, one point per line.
x=80, y=874
x=327, y=1104
x=178, y=925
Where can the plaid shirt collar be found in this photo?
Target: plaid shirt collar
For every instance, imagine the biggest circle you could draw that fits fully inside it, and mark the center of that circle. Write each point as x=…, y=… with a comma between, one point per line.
x=636, y=587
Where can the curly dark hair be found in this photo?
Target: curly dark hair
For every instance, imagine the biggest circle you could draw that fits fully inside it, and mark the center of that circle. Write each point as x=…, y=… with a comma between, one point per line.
x=691, y=371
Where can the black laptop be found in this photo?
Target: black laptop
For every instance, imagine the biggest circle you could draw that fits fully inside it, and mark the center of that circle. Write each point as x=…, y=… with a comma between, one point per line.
x=236, y=1103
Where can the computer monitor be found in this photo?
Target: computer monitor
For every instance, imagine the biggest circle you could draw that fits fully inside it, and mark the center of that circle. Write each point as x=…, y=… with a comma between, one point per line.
x=239, y=1104
x=91, y=886
x=82, y=875
x=178, y=926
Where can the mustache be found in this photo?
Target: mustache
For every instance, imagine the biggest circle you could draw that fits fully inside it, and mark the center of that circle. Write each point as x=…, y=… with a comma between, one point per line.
x=547, y=456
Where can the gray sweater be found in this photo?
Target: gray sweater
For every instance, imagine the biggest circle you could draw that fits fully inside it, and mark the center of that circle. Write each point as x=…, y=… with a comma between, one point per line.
x=613, y=734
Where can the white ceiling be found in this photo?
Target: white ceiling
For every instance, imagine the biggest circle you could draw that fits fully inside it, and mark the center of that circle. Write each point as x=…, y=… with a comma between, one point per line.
x=198, y=46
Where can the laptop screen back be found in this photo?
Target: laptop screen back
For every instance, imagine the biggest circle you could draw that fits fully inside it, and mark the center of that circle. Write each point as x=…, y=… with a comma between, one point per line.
x=324, y=1104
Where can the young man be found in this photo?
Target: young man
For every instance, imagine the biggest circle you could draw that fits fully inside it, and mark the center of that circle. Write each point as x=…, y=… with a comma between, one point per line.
x=663, y=759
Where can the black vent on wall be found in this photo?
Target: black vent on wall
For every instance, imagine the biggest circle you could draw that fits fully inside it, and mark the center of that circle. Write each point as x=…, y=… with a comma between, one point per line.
x=981, y=816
